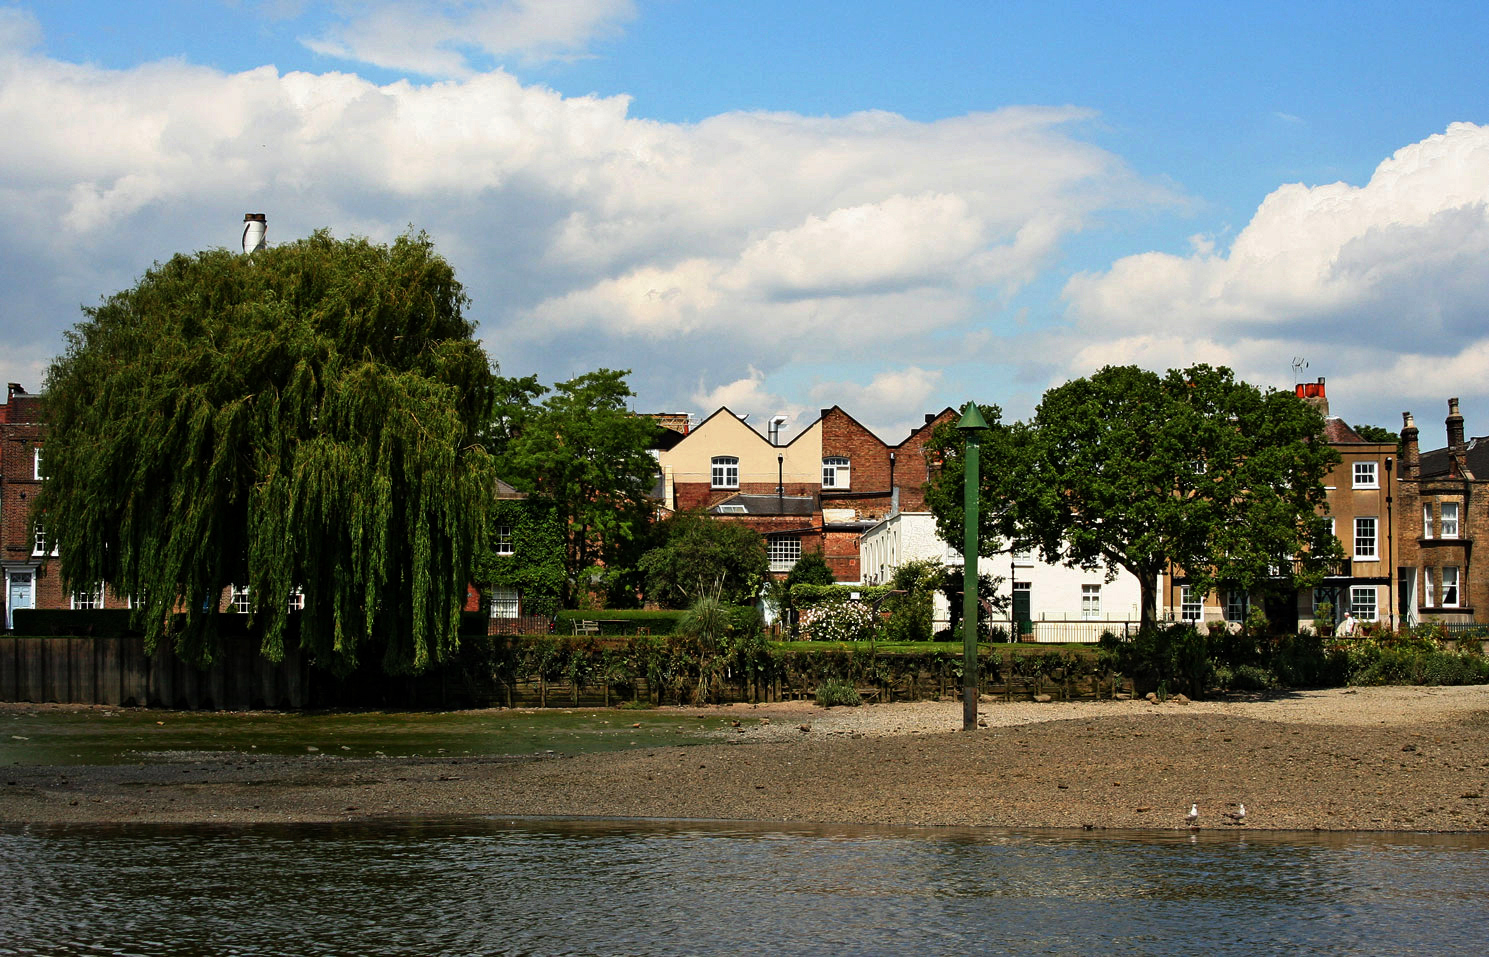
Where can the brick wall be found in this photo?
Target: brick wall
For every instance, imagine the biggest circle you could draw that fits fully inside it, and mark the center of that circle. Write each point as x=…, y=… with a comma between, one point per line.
x=698, y=495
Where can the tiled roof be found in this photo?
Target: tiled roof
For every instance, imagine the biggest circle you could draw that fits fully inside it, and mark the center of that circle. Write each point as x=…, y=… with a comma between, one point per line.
x=1435, y=462
x=748, y=504
x=1338, y=432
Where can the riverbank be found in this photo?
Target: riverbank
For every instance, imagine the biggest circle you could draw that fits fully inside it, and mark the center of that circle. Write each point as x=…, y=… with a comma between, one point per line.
x=1352, y=759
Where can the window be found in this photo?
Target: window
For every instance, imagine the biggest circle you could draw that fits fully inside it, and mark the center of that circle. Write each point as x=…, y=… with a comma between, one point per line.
x=1237, y=603
x=240, y=603
x=835, y=472
x=1322, y=597
x=296, y=600
x=39, y=546
x=784, y=552
x=505, y=603
x=1362, y=602
x=1365, y=475
x=1450, y=586
x=732, y=510
x=1365, y=539
x=1427, y=521
x=1427, y=590
x=36, y=472
x=1191, y=603
x=504, y=540
x=1449, y=519
x=725, y=471
x=84, y=599
x=1091, y=602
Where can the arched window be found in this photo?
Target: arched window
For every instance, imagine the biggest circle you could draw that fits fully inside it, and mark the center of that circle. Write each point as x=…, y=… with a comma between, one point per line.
x=725, y=471
x=835, y=472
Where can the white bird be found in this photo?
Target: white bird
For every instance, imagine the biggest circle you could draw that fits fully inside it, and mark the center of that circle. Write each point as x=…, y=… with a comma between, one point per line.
x=1193, y=816
x=1238, y=816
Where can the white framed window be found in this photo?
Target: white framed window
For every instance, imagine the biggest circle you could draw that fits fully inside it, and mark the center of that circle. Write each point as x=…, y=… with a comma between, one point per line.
x=1237, y=604
x=1450, y=586
x=726, y=471
x=504, y=540
x=1191, y=603
x=296, y=600
x=1429, y=591
x=505, y=603
x=87, y=598
x=783, y=551
x=36, y=471
x=240, y=602
x=1427, y=520
x=732, y=510
x=1365, y=476
x=39, y=544
x=1365, y=540
x=1362, y=602
x=1091, y=602
x=1449, y=519
x=835, y=472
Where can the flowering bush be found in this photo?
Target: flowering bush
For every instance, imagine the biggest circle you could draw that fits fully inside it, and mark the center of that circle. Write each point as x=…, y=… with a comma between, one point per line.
x=838, y=621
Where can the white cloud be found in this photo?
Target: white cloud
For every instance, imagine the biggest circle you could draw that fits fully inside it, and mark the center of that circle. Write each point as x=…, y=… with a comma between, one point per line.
x=1381, y=286
x=891, y=402
x=749, y=397
x=441, y=37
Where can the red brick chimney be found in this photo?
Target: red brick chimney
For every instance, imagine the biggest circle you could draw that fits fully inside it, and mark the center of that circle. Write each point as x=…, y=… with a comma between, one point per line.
x=1410, y=457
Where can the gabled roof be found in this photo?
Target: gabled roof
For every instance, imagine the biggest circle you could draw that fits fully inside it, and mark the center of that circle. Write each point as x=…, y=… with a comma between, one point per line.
x=723, y=409
x=913, y=432
x=1338, y=432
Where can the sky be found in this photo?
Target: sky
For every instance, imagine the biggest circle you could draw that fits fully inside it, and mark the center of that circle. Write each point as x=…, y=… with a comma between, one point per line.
x=783, y=206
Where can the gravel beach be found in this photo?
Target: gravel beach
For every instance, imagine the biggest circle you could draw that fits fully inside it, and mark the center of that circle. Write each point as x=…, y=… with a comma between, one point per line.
x=1414, y=759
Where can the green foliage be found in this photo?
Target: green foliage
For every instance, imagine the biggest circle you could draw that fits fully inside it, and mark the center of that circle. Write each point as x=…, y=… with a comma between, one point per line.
x=1414, y=658
x=910, y=613
x=1130, y=469
x=804, y=595
x=835, y=692
x=699, y=555
x=535, y=567
x=987, y=593
x=303, y=417
x=1376, y=433
x=810, y=569
x=583, y=452
x=1175, y=656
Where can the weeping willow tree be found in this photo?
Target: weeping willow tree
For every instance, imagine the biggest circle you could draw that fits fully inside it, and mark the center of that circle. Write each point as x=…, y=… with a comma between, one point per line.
x=301, y=421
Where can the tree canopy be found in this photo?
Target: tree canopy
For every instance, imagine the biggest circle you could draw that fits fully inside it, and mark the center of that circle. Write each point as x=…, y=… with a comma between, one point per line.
x=1130, y=469
x=700, y=557
x=301, y=421
x=583, y=451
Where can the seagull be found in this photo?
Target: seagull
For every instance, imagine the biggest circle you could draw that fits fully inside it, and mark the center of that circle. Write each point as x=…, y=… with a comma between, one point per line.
x=1192, y=818
x=1238, y=816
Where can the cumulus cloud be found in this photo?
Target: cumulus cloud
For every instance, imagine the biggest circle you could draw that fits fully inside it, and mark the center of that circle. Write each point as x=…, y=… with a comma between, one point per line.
x=1381, y=283
x=890, y=403
x=448, y=38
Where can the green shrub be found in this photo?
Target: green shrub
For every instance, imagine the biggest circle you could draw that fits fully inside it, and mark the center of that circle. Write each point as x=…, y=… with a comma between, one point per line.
x=835, y=691
x=838, y=621
x=1176, y=657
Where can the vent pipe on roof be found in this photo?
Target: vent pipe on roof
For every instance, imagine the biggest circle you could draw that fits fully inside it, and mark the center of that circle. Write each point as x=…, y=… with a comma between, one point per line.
x=773, y=431
x=255, y=232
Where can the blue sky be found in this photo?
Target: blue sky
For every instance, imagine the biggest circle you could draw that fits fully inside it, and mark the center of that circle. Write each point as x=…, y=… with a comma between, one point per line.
x=781, y=206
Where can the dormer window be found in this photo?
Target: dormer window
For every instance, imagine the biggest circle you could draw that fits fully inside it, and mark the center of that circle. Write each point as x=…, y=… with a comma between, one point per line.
x=726, y=471
x=835, y=472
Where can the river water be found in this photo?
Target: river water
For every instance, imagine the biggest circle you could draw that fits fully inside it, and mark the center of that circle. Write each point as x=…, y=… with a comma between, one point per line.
x=624, y=888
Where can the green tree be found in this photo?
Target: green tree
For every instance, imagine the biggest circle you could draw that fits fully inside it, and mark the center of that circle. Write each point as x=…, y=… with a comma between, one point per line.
x=302, y=418
x=810, y=569
x=699, y=556
x=583, y=451
x=1130, y=469
x=1376, y=433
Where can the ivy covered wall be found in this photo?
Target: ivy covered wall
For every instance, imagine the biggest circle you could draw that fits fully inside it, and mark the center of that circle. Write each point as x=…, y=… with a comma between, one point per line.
x=536, y=566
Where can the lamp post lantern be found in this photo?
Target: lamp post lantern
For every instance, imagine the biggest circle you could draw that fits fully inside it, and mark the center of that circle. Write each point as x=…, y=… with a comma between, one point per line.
x=971, y=425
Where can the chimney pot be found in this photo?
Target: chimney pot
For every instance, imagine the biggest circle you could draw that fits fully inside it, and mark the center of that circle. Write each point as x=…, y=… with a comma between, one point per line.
x=1454, y=424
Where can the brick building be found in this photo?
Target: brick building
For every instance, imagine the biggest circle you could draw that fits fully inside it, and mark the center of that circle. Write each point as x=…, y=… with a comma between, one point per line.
x=30, y=565
x=820, y=491
x=1443, y=506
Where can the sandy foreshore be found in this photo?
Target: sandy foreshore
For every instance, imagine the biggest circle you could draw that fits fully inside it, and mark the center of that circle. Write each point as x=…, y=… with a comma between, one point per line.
x=1412, y=759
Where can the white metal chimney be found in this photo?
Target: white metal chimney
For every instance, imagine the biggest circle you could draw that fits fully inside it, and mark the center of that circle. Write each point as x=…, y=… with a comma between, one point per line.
x=255, y=232
x=773, y=433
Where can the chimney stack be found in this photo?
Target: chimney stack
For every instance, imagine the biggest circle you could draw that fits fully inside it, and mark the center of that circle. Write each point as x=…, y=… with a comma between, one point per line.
x=1313, y=394
x=1410, y=457
x=1454, y=424
x=255, y=232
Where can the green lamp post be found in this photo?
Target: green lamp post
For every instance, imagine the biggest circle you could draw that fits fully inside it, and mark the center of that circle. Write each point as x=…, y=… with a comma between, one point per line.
x=971, y=425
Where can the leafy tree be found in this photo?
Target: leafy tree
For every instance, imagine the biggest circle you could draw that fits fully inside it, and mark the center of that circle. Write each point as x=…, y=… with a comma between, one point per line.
x=303, y=418
x=583, y=451
x=1376, y=433
x=1130, y=469
x=699, y=556
x=810, y=569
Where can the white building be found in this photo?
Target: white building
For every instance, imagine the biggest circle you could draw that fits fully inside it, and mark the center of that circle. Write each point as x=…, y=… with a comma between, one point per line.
x=1057, y=603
